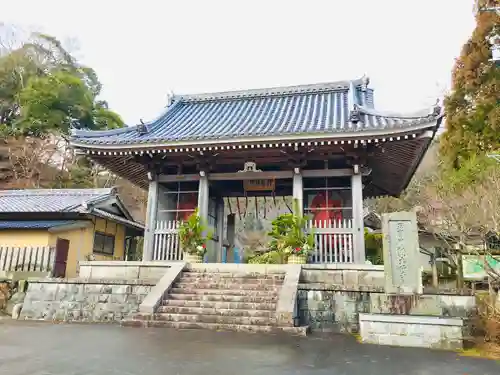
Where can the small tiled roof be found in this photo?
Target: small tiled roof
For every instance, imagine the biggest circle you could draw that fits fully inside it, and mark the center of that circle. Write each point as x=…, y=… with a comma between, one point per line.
x=322, y=109
x=50, y=200
x=34, y=224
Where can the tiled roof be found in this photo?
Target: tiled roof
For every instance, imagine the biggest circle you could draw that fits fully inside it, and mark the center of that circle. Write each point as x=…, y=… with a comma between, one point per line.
x=322, y=109
x=50, y=200
x=34, y=224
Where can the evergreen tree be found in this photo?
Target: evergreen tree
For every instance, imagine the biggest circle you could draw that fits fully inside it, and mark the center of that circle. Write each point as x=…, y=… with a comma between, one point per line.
x=473, y=106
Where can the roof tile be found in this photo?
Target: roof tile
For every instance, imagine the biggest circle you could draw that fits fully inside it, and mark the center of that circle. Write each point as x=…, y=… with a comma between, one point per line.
x=49, y=200
x=34, y=224
x=297, y=110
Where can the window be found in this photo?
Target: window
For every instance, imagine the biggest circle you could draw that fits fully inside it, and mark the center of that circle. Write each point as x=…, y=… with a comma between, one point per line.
x=104, y=243
x=327, y=199
x=177, y=201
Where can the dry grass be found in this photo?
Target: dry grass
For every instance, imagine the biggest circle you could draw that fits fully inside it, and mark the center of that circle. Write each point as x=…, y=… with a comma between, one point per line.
x=5, y=292
x=486, y=329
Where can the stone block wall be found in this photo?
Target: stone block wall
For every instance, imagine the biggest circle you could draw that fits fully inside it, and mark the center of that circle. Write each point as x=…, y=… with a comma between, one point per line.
x=331, y=310
x=331, y=297
x=123, y=270
x=83, y=300
x=412, y=331
x=344, y=276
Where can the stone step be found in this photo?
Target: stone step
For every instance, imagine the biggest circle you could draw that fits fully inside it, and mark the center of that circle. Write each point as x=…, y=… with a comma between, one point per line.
x=237, y=280
x=220, y=312
x=229, y=285
x=226, y=292
x=235, y=273
x=220, y=305
x=245, y=298
x=220, y=319
x=296, y=331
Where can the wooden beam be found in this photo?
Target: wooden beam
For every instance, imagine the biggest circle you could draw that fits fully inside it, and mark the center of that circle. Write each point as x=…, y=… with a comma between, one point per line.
x=250, y=175
x=178, y=177
x=326, y=173
x=238, y=176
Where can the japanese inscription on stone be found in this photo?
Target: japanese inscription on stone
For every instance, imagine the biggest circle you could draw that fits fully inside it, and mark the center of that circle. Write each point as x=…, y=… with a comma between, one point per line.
x=401, y=253
x=399, y=256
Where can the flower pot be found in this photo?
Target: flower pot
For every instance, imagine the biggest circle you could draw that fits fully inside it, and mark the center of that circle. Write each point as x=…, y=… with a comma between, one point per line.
x=192, y=258
x=297, y=259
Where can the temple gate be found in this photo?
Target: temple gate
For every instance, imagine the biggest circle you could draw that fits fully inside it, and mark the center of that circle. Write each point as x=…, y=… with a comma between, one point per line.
x=323, y=144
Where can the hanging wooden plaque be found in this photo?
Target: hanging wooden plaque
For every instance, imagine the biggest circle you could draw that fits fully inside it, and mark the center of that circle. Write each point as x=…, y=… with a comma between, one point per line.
x=259, y=185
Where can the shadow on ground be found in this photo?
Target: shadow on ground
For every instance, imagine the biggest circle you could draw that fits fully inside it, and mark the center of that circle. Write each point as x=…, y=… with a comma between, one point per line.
x=39, y=348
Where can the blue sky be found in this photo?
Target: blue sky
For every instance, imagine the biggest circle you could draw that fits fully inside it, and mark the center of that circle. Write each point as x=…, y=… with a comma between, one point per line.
x=141, y=50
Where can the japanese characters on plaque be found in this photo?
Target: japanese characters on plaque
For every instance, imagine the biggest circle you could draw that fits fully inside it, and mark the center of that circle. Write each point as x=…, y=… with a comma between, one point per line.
x=258, y=184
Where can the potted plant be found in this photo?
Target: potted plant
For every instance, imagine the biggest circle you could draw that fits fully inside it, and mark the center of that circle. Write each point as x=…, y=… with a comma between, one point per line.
x=193, y=238
x=291, y=237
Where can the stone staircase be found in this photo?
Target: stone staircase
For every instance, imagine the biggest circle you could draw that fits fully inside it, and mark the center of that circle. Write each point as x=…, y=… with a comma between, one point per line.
x=244, y=302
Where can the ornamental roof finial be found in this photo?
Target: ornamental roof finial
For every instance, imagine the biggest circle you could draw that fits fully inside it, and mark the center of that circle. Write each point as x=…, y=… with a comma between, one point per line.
x=436, y=110
x=170, y=98
x=365, y=81
x=142, y=128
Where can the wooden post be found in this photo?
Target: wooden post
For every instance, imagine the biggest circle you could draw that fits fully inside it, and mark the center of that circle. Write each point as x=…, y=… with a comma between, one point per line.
x=151, y=212
x=298, y=191
x=203, y=196
x=357, y=217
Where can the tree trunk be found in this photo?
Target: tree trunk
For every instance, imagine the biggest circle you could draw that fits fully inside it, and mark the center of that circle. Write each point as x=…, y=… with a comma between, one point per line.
x=460, y=271
x=435, y=276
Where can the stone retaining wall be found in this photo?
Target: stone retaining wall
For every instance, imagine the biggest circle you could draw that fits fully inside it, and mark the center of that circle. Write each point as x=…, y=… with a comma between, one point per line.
x=81, y=300
x=123, y=270
x=412, y=331
x=336, y=309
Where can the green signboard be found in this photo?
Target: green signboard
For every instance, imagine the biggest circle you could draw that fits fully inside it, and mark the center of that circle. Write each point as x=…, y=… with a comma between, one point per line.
x=473, y=266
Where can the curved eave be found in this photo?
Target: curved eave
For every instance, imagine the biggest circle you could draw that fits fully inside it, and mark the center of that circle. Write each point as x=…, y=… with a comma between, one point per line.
x=395, y=164
x=356, y=135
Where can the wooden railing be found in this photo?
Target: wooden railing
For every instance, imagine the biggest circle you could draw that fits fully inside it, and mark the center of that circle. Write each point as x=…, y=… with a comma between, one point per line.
x=334, y=241
x=166, y=241
x=27, y=259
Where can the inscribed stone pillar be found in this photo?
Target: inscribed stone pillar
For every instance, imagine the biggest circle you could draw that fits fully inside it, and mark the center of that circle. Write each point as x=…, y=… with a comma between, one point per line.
x=401, y=253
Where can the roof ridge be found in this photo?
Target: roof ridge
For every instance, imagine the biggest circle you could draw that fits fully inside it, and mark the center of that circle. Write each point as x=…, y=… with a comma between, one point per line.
x=228, y=95
x=270, y=91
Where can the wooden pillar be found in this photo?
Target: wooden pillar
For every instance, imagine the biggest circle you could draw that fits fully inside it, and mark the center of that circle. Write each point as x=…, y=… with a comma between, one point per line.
x=203, y=196
x=357, y=217
x=298, y=190
x=220, y=229
x=151, y=212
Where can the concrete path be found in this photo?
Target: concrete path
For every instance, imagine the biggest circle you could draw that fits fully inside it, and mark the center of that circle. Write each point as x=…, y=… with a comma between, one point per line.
x=42, y=349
